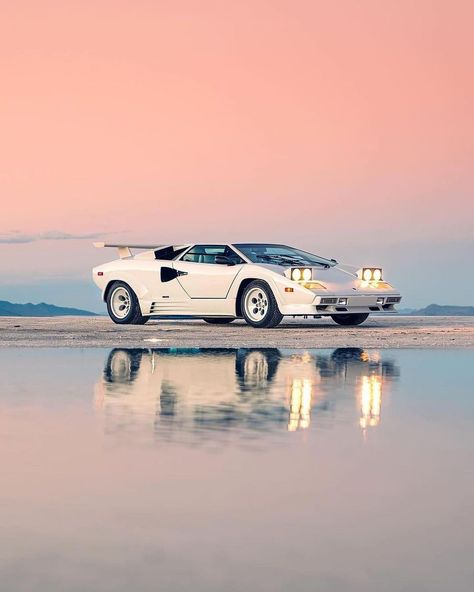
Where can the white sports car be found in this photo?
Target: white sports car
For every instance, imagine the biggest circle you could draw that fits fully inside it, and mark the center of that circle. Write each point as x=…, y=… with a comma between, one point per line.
x=218, y=283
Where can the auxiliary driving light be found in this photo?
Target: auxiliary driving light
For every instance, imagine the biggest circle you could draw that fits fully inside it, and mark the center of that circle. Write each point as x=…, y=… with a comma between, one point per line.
x=372, y=274
x=301, y=273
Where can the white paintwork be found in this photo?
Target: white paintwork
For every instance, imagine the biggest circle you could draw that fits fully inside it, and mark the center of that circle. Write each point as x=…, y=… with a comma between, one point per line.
x=207, y=289
x=206, y=280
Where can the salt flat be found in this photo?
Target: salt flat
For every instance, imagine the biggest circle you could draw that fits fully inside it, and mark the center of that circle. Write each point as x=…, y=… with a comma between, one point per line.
x=376, y=332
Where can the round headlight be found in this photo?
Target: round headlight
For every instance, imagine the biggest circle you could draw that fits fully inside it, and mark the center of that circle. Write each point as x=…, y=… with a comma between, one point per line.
x=367, y=275
x=377, y=275
x=307, y=274
x=296, y=274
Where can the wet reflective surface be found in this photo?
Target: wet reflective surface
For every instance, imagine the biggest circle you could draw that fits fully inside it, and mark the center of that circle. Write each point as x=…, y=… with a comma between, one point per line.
x=214, y=394
x=257, y=469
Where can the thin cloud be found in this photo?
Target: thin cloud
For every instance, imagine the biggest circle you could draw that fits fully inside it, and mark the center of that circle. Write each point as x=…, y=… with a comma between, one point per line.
x=12, y=238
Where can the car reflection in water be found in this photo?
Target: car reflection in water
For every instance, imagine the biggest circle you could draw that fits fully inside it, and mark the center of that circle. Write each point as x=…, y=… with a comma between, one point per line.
x=189, y=393
x=367, y=374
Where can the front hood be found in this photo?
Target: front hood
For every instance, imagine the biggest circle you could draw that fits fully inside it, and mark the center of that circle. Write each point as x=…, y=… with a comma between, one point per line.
x=337, y=279
x=339, y=276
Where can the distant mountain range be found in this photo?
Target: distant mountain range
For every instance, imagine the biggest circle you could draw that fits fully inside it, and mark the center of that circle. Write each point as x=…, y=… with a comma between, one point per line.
x=440, y=310
x=10, y=309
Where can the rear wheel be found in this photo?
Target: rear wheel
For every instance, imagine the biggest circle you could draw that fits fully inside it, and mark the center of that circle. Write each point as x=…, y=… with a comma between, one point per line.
x=122, y=305
x=350, y=319
x=259, y=306
x=218, y=321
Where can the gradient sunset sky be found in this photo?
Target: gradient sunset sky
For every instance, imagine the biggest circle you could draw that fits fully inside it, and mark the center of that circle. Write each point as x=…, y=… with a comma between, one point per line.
x=344, y=127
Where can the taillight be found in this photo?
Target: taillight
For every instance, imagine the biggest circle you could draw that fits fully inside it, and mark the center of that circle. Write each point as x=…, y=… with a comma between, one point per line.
x=100, y=273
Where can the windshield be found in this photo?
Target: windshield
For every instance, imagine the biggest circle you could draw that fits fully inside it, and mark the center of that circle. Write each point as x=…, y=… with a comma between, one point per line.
x=281, y=255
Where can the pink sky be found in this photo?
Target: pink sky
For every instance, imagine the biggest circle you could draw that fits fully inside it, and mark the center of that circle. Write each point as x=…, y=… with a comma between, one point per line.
x=284, y=120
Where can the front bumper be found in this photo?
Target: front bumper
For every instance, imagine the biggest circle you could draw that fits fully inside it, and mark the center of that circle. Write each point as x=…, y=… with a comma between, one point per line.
x=344, y=304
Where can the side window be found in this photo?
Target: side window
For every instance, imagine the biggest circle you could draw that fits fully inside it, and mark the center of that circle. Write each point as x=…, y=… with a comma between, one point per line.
x=204, y=253
x=169, y=253
x=207, y=254
x=236, y=259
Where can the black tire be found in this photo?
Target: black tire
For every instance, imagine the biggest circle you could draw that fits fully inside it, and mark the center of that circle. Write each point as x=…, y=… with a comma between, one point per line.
x=350, y=319
x=134, y=315
x=271, y=317
x=218, y=321
x=344, y=354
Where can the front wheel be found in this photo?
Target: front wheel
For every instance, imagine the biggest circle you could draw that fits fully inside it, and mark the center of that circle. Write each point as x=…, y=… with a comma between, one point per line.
x=218, y=321
x=259, y=306
x=123, y=306
x=350, y=319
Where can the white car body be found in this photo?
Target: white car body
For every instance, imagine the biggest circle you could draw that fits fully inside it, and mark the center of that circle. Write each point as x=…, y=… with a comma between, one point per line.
x=180, y=287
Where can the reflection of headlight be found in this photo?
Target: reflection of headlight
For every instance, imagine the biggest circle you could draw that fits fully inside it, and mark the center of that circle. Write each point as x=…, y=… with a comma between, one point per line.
x=298, y=273
x=372, y=274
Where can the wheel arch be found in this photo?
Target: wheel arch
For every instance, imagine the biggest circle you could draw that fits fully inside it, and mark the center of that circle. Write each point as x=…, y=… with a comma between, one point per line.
x=248, y=280
x=106, y=290
x=137, y=287
x=243, y=284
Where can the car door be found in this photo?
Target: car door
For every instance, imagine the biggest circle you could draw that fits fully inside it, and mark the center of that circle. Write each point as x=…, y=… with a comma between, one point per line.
x=200, y=275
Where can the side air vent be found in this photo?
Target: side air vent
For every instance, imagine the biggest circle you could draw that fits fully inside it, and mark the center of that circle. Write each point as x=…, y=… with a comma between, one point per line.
x=168, y=274
x=167, y=307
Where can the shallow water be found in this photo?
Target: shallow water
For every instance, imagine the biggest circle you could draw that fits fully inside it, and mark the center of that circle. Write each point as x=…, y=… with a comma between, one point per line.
x=230, y=470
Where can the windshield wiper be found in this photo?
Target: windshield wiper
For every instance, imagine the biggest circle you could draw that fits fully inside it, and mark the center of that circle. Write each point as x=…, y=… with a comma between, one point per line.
x=287, y=260
x=281, y=259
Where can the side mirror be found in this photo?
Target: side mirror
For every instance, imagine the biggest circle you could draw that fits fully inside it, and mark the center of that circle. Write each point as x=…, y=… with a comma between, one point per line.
x=223, y=260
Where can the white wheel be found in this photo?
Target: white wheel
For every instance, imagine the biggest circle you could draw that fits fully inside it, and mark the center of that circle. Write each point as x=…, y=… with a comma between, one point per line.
x=120, y=302
x=256, y=304
x=123, y=306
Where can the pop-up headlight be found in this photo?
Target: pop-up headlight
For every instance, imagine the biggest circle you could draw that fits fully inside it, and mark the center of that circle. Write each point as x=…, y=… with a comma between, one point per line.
x=301, y=273
x=371, y=274
x=296, y=274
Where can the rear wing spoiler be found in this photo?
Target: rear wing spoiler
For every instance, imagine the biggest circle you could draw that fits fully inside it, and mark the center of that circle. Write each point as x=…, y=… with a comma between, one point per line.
x=124, y=250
